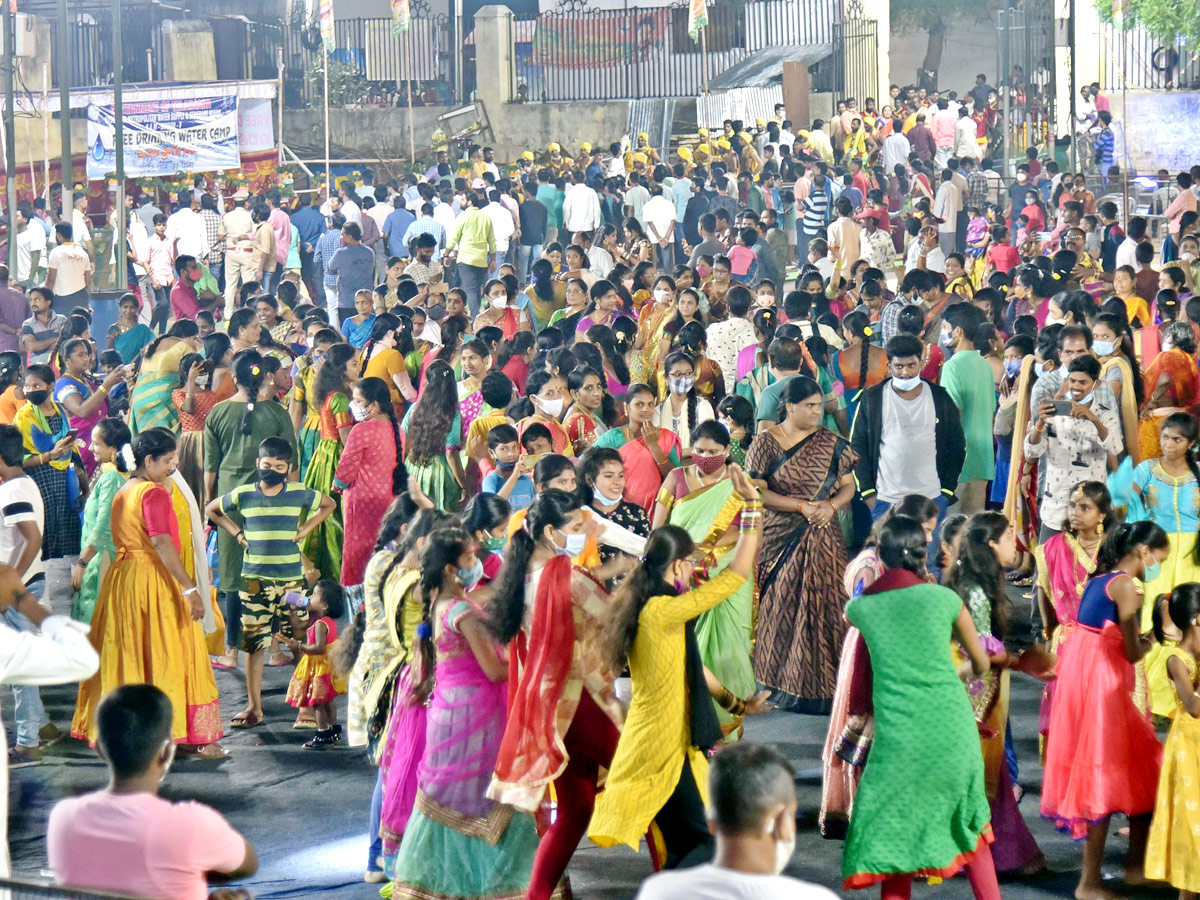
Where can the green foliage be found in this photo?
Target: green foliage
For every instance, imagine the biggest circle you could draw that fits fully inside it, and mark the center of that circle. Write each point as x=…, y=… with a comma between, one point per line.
x=924, y=15
x=1164, y=19
x=346, y=86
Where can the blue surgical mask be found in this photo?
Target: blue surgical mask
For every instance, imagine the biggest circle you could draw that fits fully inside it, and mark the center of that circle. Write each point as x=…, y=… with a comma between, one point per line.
x=574, y=545
x=470, y=577
x=1104, y=348
x=1086, y=399
x=603, y=500
x=1012, y=367
x=1153, y=570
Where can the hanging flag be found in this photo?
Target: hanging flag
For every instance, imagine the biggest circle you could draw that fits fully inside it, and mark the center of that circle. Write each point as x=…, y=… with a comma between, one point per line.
x=327, y=35
x=401, y=16
x=697, y=18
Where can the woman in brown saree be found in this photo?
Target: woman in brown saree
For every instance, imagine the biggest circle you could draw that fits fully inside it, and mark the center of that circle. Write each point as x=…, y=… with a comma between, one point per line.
x=805, y=472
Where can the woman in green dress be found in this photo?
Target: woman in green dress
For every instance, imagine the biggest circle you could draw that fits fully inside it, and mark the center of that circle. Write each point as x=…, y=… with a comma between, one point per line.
x=232, y=433
x=150, y=404
x=700, y=498
x=323, y=546
x=98, y=550
x=921, y=807
x=433, y=438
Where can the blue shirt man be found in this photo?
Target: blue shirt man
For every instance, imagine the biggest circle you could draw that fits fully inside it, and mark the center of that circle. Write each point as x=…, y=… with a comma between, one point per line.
x=395, y=226
x=311, y=225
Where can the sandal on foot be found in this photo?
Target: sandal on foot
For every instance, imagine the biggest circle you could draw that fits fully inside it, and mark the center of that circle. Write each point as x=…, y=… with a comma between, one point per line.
x=245, y=720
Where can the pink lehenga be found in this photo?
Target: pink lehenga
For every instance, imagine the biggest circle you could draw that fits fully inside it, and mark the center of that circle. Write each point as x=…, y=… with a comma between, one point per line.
x=851, y=723
x=458, y=843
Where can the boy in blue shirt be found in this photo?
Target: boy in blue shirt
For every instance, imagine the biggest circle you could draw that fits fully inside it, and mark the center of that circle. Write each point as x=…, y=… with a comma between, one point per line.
x=510, y=479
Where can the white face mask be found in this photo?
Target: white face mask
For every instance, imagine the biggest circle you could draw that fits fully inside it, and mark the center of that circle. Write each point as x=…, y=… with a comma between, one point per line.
x=357, y=411
x=660, y=294
x=574, y=545
x=552, y=408
x=906, y=384
x=499, y=302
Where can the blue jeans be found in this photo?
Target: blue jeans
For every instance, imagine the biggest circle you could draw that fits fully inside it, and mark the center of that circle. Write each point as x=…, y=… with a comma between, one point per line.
x=28, y=711
x=375, y=850
x=943, y=503
x=270, y=280
x=529, y=253
x=473, y=279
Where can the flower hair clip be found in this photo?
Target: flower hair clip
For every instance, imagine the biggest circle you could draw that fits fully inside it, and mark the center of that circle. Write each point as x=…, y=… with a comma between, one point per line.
x=255, y=370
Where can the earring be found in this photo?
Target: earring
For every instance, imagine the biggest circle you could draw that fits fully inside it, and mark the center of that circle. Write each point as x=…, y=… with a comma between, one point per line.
x=1100, y=530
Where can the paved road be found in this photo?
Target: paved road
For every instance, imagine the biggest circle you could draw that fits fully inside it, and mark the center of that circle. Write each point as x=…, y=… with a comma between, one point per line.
x=306, y=812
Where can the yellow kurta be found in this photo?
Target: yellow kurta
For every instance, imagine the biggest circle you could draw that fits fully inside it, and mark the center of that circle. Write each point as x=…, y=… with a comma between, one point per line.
x=144, y=633
x=656, y=741
x=1173, y=849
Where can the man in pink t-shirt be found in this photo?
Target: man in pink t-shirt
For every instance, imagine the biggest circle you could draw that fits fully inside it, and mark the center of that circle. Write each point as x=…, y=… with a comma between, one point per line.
x=125, y=838
x=281, y=224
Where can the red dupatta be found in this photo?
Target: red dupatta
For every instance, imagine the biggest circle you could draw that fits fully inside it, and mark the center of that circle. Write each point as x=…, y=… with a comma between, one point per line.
x=532, y=752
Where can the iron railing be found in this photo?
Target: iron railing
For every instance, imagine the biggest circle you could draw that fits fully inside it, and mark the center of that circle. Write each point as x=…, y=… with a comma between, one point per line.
x=1135, y=59
x=852, y=70
x=374, y=65
x=91, y=40
x=1025, y=61
x=623, y=54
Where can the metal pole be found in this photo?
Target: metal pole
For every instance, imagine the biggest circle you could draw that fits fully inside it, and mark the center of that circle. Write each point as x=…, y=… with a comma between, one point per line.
x=328, y=181
x=460, y=95
x=149, y=63
x=279, y=101
x=120, y=271
x=1071, y=88
x=10, y=135
x=67, y=177
x=1124, y=160
x=704, y=55
x=46, y=131
x=1006, y=49
x=406, y=48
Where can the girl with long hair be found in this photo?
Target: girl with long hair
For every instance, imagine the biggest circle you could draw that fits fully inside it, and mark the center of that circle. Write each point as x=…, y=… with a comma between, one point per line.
x=543, y=292
x=515, y=357
x=150, y=403
x=459, y=842
x=453, y=329
x=1102, y=755
x=370, y=473
x=383, y=357
x=710, y=380
x=97, y=549
x=987, y=547
x=652, y=321
x=11, y=396
x=476, y=361
x=1112, y=343
x=84, y=400
x=862, y=364
x=687, y=309
x=195, y=399
x=1171, y=384
x=303, y=408
x=616, y=372
x=323, y=546
x=649, y=452
x=434, y=436
x=52, y=462
x=736, y=413
x=546, y=392
x=552, y=615
x=1064, y=562
x=232, y=433
x=659, y=763
x=683, y=410
x=1165, y=490
x=486, y=519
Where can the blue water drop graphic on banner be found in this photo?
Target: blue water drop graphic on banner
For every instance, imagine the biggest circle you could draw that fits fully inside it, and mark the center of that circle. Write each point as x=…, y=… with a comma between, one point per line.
x=98, y=150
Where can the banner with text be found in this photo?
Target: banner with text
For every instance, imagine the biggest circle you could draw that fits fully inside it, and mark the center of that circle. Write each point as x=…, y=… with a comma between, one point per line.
x=163, y=137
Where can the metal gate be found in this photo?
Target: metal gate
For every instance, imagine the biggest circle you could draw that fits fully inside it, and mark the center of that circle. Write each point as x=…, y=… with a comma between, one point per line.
x=853, y=69
x=1025, y=67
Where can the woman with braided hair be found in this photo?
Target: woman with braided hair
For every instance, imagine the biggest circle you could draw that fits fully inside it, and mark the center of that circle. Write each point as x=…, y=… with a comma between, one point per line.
x=459, y=842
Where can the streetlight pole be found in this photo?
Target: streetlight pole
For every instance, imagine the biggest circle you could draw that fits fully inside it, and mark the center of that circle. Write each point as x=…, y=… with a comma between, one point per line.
x=120, y=271
x=64, y=107
x=10, y=135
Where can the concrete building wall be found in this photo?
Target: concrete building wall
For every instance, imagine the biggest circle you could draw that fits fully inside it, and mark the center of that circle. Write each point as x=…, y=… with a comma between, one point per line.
x=967, y=52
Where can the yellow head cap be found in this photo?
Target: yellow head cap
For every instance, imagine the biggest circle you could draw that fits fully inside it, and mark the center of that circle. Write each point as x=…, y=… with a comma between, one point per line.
x=642, y=136
x=528, y=154
x=723, y=143
x=685, y=154
x=554, y=148
x=585, y=147
x=702, y=149
x=760, y=124
x=703, y=132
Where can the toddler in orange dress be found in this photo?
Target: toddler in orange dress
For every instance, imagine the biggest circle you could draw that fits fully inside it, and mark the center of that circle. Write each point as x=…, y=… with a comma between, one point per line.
x=314, y=683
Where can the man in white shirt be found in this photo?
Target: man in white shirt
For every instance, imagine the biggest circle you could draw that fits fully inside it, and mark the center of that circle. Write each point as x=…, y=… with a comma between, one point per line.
x=581, y=206
x=238, y=226
x=966, y=133
x=23, y=515
x=31, y=247
x=1135, y=233
x=896, y=149
x=187, y=230
x=80, y=223
x=659, y=214
x=349, y=208
x=752, y=812
x=636, y=198
x=845, y=237
x=946, y=205
x=69, y=274
x=502, y=223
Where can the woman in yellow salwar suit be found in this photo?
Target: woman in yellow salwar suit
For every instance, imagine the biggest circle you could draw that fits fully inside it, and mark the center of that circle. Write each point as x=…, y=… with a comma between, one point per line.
x=146, y=626
x=659, y=772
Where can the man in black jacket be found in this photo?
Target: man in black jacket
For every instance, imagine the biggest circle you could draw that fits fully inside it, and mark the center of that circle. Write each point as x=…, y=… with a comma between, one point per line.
x=907, y=435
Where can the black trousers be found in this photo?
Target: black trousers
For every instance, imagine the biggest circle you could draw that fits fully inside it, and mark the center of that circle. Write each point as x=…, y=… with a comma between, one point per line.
x=684, y=826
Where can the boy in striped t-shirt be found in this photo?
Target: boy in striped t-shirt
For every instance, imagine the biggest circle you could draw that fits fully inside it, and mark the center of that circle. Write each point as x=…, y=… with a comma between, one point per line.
x=276, y=516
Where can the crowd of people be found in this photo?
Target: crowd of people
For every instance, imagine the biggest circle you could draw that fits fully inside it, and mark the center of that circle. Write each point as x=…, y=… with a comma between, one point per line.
x=548, y=479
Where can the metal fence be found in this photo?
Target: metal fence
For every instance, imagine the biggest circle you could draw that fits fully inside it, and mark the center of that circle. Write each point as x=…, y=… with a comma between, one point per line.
x=372, y=63
x=1136, y=59
x=91, y=40
x=647, y=52
x=1025, y=60
x=852, y=70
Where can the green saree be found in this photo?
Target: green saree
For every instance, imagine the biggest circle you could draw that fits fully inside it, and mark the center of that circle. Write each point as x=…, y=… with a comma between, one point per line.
x=725, y=632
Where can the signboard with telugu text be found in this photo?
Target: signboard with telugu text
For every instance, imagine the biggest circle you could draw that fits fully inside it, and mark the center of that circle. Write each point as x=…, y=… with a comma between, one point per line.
x=162, y=137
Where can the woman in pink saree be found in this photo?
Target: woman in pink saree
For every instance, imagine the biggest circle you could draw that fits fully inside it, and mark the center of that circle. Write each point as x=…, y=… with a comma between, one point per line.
x=649, y=452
